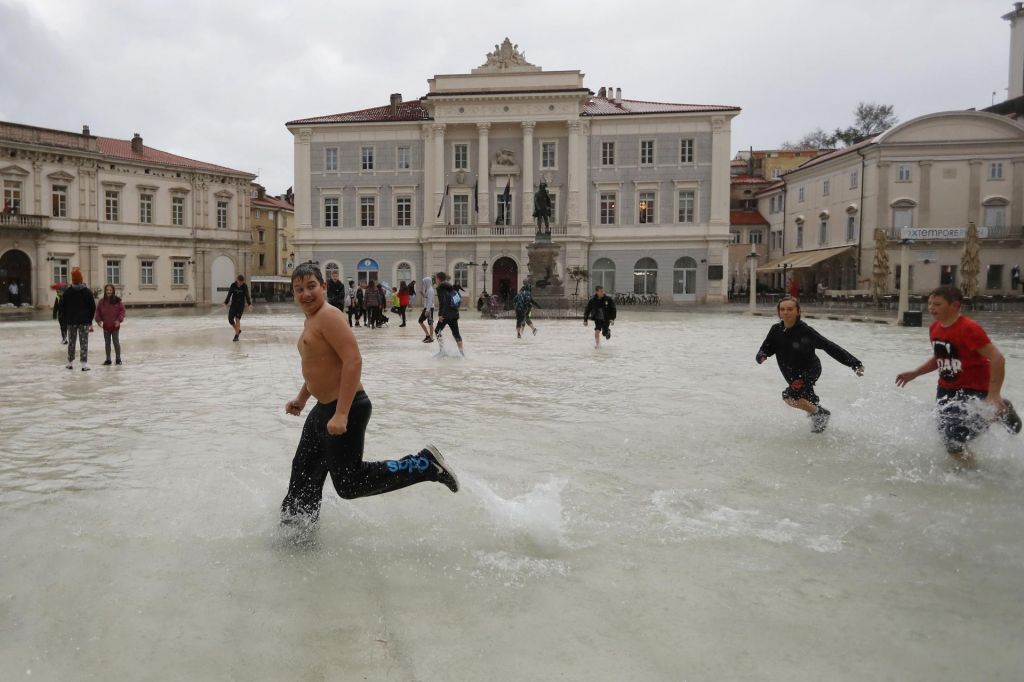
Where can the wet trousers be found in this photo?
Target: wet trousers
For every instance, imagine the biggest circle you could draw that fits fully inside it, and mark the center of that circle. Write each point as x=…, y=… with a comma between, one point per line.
x=320, y=454
x=115, y=337
x=81, y=333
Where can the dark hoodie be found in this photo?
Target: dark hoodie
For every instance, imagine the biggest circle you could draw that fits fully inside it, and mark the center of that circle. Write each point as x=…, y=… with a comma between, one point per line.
x=794, y=351
x=78, y=304
x=600, y=309
x=445, y=300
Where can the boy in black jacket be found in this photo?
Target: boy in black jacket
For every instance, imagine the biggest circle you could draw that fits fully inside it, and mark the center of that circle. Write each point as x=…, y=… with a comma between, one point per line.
x=79, y=309
x=448, y=300
x=792, y=341
x=601, y=309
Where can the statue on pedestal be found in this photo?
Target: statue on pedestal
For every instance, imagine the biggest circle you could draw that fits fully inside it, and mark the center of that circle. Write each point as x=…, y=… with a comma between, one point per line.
x=542, y=210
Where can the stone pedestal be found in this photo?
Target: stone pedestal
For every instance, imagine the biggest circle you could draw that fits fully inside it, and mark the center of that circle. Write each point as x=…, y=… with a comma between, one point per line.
x=548, y=289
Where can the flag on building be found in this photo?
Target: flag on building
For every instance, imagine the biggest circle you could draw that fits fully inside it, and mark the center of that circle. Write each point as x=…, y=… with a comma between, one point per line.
x=443, y=197
x=506, y=196
x=476, y=195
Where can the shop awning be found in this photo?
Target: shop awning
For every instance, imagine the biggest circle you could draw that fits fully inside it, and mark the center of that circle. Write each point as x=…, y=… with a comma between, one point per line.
x=804, y=259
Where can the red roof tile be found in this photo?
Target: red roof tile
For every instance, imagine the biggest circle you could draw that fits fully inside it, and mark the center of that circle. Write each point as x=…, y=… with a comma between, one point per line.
x=122, y=149
x=748, y=180
x=746, y=218
x=271, y=202
x=602, y=106
x=413, y=110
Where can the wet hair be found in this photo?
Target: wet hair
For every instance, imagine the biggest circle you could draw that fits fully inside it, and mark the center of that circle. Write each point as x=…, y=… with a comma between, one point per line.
x=599, y=288
x=412, y=287
x=115, y=299
x=403, y=287
x=949, y=292
x=240, y=278
x=441, y=276
x=778, y=306
x=307, y=270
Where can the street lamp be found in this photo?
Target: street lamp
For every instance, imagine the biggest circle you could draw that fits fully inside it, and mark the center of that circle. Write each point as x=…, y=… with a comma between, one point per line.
x=485, y=278
x=752, y=260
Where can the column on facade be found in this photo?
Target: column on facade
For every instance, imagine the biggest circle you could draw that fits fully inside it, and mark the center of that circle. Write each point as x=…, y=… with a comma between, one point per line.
x=427, y=135
x=1017, y=194
x=718, y=224
x=883, y=216
x=574, y=174
x=439, y=174
x=303, y=200
x=37, y=188
x=527, y=207
x=483, y=174
x=974, y=192
x=924, y=198
x=41, y=276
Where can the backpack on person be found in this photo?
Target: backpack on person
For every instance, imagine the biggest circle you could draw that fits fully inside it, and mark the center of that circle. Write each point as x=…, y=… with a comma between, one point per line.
x=456, y=299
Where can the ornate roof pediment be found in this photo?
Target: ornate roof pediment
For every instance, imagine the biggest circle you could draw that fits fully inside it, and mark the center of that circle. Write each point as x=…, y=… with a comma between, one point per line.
x=61, y=176
x=506, y=58
x=13, y=170
x=223, y=194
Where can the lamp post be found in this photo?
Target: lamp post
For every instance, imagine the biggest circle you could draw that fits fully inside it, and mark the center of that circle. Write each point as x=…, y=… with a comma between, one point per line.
x=485, y=278
x=904, y=301
x=752, y=261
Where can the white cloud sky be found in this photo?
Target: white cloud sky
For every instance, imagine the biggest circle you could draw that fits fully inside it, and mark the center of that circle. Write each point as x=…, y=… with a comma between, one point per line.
x=217, y=80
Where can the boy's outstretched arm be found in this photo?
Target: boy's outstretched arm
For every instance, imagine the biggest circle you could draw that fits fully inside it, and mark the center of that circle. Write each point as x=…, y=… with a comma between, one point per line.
x=904, y=378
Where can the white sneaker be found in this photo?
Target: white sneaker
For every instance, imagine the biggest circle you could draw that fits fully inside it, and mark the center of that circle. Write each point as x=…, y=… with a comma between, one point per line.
x=85, y=367
x=69, y=366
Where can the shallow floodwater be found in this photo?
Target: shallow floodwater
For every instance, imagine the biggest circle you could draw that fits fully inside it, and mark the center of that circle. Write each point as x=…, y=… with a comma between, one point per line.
x=647, y=511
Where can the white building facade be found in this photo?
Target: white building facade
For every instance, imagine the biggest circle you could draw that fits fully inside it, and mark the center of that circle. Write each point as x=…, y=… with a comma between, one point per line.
x=164, y=229
x=446, y=182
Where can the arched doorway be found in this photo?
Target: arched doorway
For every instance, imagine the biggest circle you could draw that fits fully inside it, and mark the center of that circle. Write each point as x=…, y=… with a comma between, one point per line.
x=504, y=279
x=645, y=276
x=367, y=270
x=16, y=267
x=684, y=279
x=222, y=274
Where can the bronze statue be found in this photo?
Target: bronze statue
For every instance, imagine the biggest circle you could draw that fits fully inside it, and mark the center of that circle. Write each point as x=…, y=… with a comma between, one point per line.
x=542, y=209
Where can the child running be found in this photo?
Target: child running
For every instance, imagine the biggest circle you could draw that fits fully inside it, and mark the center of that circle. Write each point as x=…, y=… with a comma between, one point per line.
x=971, y=370
x=793, y=342
x=334, y=432
x=601, y=309
x=524, y=304
x=238, y=297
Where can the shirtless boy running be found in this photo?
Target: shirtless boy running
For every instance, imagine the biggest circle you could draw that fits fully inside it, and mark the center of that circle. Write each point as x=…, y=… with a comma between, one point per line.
x=333, y=435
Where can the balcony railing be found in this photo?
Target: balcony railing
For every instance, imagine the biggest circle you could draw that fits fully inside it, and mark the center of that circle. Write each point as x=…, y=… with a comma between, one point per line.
x=952, y=233
x=22, y=220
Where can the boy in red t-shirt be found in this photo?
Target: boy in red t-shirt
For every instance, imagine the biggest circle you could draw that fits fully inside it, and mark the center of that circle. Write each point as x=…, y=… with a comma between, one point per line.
x=970, y=368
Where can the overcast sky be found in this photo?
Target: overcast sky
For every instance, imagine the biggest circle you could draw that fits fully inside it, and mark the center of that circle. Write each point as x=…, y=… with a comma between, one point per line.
x=217, y=79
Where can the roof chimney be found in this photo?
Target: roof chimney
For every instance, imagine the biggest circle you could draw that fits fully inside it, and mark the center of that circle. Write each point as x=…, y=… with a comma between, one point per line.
x=618, y=95
x=137, y=144
x=396, y=99
x=85, y=130
x=1016, y=19
x=601, y=92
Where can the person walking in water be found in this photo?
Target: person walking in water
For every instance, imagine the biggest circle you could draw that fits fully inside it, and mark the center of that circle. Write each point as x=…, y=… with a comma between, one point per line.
x=238, y=297
x=403, y=300
x=449, y=300
x=79, y=308
x=334, y=433
x=58, y=312
x=371, y=298
x=353, y=296
x=110, y=315
x=601, y=309
x=427, y=314
x=524, y=304
x=793, y=342
x=971, y=372
x=336, y=291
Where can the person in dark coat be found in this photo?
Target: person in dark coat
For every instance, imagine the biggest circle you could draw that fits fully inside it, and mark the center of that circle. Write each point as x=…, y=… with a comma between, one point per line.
x=238, y=297
x=601, y=309
x=793, y=342
x=58, y=312
x=79, y=308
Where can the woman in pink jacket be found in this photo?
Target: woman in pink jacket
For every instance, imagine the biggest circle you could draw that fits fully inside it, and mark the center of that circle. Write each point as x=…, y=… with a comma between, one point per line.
x=110, y=314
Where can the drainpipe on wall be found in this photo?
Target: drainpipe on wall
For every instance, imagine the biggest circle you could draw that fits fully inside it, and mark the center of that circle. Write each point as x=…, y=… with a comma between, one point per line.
x=860, y=211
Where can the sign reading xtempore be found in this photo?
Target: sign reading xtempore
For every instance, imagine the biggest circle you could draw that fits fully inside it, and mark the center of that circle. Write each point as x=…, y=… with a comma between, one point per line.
x=939, y=232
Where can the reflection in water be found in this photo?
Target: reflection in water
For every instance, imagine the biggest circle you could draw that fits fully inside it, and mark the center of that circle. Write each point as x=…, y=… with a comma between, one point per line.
x=650, y=510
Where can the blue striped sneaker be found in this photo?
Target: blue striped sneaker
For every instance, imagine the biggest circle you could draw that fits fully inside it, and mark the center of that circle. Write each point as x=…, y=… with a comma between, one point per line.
x=445, y=475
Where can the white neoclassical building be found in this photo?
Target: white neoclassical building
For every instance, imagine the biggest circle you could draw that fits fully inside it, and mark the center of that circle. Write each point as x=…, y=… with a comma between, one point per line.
x=164, y=229
x=446, y=182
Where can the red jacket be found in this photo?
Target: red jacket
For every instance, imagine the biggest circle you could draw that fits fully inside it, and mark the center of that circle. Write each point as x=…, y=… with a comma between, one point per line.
x=108, y=313
x=403, y=298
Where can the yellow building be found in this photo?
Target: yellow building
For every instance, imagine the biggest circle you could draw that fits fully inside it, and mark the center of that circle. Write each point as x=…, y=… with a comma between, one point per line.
x=273, y=233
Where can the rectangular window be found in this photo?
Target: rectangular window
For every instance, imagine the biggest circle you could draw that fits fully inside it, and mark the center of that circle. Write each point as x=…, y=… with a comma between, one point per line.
x=607, y=208
x=737, y=238
x=947, y=275
x=851, y=224
x=548, y=154
x=800, y=236
x=367, y=158
x=995, y=216
x=854, y=179
x=256, y=214
x=554, y=207
x=776, y=173
x=146, y=208
x=146, y=275
x=460, y=209
x=686, y=150
x=903, y=173
x=111, y=212
x=12, y=195
x=331, y=159
x=645, y=206
x=60, y=270
x=825, y=185
x=687, y=200
x=800, y=194
x=177, y=210
x=368, y=211
x=113, y=271
x=178, y=273
x=59, y=197
x=902, y=217
x=404, y=158
x=331, y=212
x=260, y=236
x=403, y=211
x=756, y=237
x=262, y=260
x=607, y=153
x=994, y=277
x=822, y=232
x=646, y=152
x=461, y=156
x=995, y=170
x=222, y=214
